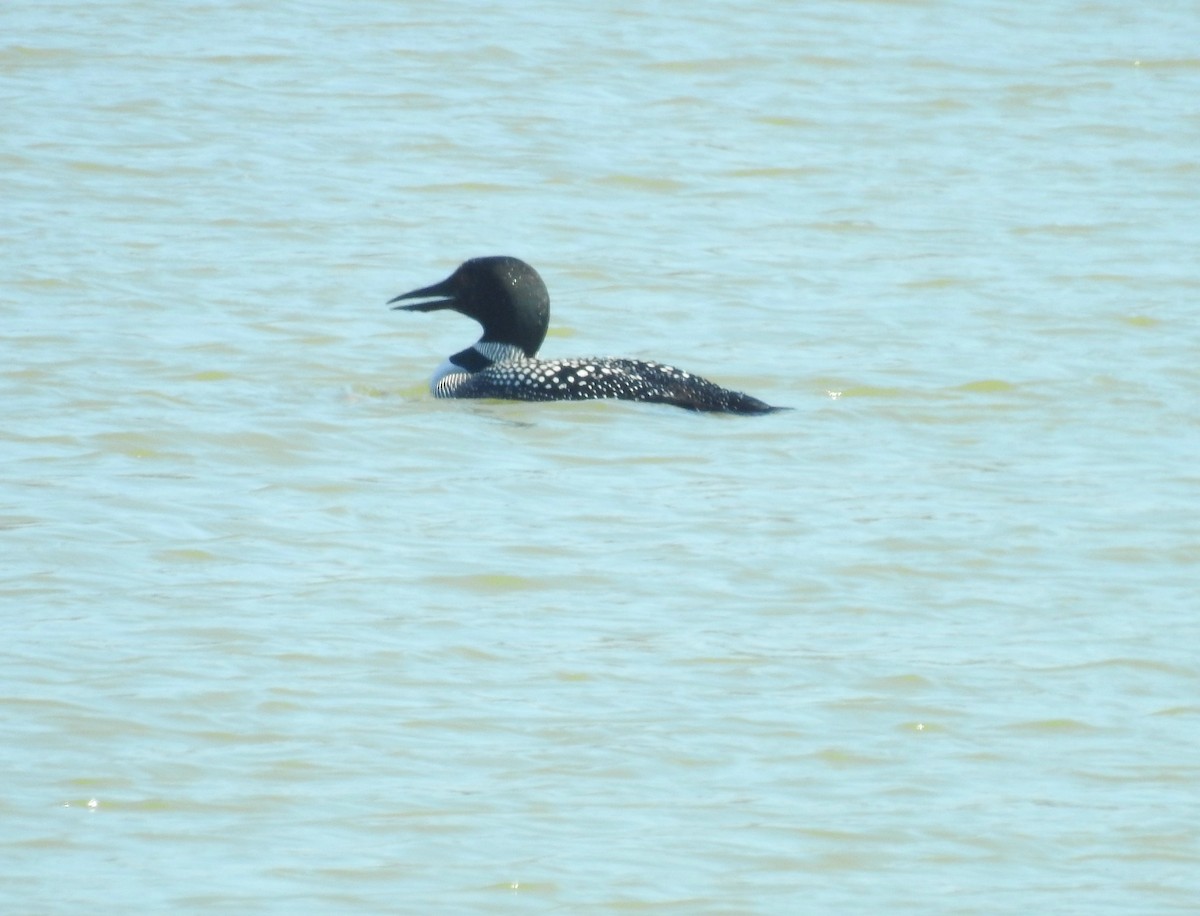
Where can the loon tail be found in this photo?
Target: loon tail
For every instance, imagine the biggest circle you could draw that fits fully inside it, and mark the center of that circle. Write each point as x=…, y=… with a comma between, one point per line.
x=708, y=397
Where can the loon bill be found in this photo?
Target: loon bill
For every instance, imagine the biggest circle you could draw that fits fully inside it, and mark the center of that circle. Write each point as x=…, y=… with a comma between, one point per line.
x=508, y=298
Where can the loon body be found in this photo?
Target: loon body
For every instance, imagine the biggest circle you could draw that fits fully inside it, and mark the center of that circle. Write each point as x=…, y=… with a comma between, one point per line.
x=508, y=298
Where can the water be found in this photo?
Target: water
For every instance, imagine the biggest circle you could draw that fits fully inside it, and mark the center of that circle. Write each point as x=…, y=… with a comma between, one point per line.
x=285, y=634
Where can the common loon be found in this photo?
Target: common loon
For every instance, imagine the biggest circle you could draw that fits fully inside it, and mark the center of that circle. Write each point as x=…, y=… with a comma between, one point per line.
x=509, y=299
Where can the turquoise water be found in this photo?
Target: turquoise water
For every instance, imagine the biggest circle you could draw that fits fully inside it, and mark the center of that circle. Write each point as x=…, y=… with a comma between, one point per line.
x=286, y=634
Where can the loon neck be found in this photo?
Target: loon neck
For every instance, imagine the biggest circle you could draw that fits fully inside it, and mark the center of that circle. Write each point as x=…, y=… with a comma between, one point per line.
x=498, y=352
x=484, y=353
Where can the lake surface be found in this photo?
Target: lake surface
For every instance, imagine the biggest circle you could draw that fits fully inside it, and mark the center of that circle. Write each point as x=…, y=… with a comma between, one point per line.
x=285, y=634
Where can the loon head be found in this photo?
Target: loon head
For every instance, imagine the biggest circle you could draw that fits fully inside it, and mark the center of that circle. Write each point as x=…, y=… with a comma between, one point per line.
x=503, y=294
